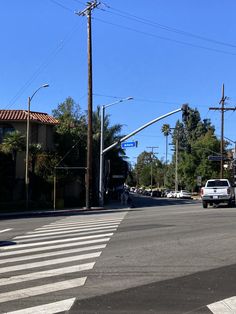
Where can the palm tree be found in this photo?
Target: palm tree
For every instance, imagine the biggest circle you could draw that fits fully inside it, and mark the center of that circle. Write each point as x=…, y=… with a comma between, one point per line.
x=35, y=150
x=13, y=143
x=166, y=131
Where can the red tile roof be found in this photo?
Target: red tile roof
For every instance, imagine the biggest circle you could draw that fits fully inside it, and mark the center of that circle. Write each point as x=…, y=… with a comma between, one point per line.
x=21, y=115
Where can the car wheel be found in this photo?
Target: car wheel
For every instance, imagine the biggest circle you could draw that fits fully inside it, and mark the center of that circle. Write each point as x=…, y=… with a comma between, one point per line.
x=204, y=204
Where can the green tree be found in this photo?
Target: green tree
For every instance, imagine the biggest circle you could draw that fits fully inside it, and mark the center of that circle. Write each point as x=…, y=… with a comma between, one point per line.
x=13, y=143
x=166, y=131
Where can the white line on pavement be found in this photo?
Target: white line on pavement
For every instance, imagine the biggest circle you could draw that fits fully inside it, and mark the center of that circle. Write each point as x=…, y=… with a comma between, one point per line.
x=68, y=227
x=226, y=306
x=49, y=262
x=50, y=308
x=55, y=253
x=80, y=222
x=73, y=234
x=41, y=234
x=5, y=230
x=56, y=241
x=52, y=247
x=46, y=274
x=33, y=291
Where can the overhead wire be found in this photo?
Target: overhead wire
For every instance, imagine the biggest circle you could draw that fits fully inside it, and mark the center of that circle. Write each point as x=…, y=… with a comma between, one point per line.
x=43, y=65
x=165, y=27
x=165, y=38
x=61, y=5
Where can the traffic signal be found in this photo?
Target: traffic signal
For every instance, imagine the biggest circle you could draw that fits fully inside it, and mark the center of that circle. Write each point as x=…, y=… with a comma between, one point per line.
x=185, y=112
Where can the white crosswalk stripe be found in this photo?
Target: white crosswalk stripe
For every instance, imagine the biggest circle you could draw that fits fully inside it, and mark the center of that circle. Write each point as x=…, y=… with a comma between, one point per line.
x=33, y=291
x=56, y=241
x=43, y=255
x=5, y=230
x=67, y=230
x=226, y=306
x=51, y=259
x=51, y=308
x=44, y=237
x=52, y=247
x=81, y=224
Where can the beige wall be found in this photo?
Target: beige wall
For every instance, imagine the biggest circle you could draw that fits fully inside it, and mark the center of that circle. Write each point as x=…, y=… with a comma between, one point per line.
x=45, y=138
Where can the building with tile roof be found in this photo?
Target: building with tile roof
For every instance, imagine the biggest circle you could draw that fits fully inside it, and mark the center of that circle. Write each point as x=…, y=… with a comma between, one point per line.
x=41, y=131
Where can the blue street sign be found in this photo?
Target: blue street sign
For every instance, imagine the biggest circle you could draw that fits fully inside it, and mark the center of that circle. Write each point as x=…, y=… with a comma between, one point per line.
x=216, y=158
x=129, y=144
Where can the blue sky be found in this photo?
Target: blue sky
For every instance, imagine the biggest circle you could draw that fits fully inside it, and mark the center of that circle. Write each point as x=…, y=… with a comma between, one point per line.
x=162, y=53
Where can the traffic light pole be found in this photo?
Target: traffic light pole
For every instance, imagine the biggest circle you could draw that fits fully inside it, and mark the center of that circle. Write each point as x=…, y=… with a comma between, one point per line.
x=184, y=108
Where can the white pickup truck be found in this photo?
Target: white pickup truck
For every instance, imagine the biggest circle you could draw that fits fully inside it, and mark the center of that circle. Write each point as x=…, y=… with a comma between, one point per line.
x=217, y=191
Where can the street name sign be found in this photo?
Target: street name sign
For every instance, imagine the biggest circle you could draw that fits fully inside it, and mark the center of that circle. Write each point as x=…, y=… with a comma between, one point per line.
x=129, y=144
x=217, y=158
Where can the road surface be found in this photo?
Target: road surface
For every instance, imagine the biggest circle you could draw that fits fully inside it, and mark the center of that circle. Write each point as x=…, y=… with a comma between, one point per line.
x=163, y=256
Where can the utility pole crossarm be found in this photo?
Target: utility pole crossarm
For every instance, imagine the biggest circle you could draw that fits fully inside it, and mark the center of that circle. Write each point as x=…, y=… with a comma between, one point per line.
x=87, y=10
x=225, y=109
x=222, y=109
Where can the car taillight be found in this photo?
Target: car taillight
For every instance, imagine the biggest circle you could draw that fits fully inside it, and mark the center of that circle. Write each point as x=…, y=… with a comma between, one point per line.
x=228, y=191
x=201, y=191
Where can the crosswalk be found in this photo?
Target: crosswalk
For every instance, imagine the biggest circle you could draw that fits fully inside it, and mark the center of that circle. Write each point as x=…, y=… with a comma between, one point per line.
x=43, y=271
x=226, y=306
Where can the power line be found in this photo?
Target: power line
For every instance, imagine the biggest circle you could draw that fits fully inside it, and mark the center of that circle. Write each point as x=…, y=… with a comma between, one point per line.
x=62, y=5
x=166, y=27
x=165, y=38
x=43, y=65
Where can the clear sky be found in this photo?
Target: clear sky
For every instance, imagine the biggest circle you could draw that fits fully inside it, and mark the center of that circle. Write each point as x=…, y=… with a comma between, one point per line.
x=162, y=53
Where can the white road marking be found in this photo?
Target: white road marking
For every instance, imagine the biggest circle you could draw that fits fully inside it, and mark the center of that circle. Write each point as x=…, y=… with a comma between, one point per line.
x=96, y=222
x=56, y=241
x=50, y=308
x=46, y=274
x=49, y=288
x=70, y=227
x=62, y=232
x=5, y=230
x=73, y=234
x=55, y=253
x=52, y=247
x=226, y=306
x=49, y=262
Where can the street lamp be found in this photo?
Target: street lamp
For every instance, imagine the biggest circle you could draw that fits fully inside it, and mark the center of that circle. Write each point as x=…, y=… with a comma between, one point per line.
x=101, y=170
x=27, y=146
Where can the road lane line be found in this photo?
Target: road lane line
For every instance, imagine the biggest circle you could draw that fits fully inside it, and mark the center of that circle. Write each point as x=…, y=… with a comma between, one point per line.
x=48, y=262
x=44, y=289
x=55, y=253
x=56, y=241
x=226, y=306
x=50, y=308
x=52, y=247
x=5, y=230
x=65, y=232
x=46, y=274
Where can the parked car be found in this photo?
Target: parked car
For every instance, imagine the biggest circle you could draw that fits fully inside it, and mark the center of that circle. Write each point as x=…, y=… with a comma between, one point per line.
x=184, y=194
x=176, y=194
x=170, y=194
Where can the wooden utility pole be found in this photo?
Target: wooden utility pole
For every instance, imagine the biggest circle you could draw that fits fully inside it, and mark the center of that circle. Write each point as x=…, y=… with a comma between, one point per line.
x=222, y=109
x=87, y=11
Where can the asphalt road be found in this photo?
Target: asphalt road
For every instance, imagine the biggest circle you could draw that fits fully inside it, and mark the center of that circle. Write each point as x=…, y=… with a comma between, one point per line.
x=162, y=256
